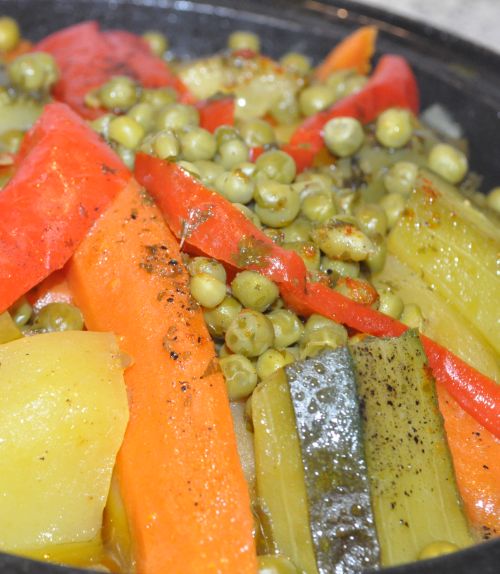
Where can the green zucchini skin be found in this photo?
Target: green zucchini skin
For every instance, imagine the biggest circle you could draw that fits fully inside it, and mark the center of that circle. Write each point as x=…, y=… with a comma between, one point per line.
x=323, y=391
x=414, y=494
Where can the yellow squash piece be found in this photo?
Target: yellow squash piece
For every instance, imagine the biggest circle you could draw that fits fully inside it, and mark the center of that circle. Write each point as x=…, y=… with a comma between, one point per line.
x=455, y=248
x=63, y=415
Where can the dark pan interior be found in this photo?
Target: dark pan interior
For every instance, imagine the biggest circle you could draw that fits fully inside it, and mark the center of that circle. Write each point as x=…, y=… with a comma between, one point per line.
x=461, y=76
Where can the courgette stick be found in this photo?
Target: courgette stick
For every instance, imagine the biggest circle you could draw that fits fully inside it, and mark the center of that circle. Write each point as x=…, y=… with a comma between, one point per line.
x=326, y=407
x=280, y=475
x=414, y=494
x=454, y=247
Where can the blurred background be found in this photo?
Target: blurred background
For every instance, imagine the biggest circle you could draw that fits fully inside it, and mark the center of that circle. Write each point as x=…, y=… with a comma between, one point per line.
x=476, y=20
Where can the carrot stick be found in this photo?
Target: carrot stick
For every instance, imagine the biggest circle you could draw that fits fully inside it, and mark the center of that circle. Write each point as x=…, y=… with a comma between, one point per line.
x=178, y=469
x=354, y=52
x=475, y=453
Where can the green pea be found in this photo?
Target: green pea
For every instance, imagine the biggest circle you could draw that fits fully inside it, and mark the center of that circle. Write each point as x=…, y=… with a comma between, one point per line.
x=235, y=186
x=296, y=63
x=276, y=204
x=401, y=177
x=10, y=34
x=372, y=219
x=197, y=144
x=285, y=110
x=272, y=360
x=101, y=124
x=249, y=214
x=119, y=94
x=276, y=165
x=319, y=206
x=157, y=42
x=232, y=152
x=345, y=82
x=314, y=181
x=219, y=318
x=224, y=351
x=390, y=304
x=448, y=162
x=21, y=312
x=437, y=548
x=207, y=290
x=275, y=235
x=298, y=230
x=343, y=136
x=274, y=564
x=251, y=333
x=226, y=133
x=376, y=258
x=247, y=167
x=58, y=317
x=177, y=117
x=240, y=376
x=166, y=145
x=307, y=251
x=9, y=331
x=412, y=316
x=191, y=168
x=206, y=265
x=341, y=240
x=126, y=131
x=254, y=290
x=11, y=140
x=143, y=114
x=337, y=268
x=209, y=171
x=394, y=127
x=393, y=204
x=257, y=132
x=319, y=338
x=493, y=199
x=316, y=321
x=158, y=97
x=33, y=72
x=126, y=155
x=243, y=40
x=354, y=84
x=316, y=98
x=287, y=327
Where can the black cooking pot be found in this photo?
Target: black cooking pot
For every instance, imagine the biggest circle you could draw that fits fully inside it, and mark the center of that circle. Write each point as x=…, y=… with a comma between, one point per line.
x=463, y=77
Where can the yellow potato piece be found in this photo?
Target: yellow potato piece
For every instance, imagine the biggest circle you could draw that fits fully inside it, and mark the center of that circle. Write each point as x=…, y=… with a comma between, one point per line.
x=63, y=415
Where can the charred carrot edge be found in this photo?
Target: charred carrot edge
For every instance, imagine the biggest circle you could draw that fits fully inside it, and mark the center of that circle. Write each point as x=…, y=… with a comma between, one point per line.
x=353, y=53
x=178, y=469
x=475, y=453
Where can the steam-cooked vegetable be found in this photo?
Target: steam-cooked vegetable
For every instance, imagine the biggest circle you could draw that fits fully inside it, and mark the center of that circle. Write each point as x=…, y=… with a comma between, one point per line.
x=62, y=418
x=325, y=403
x=414, y=495
x=454, y=246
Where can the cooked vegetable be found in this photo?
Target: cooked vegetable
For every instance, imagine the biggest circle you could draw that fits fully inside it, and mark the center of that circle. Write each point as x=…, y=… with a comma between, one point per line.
x=9, y=331
x=254, y=290
x=415, y=499
x=448, y=162
x=394, y=128
x=66, y=177
x=352, y=53
x=343, y=136
x=9, y=34
x=281, y=488
x=323, y=392
x=87, y=58
x=243, y=40
x=448, y=241
x=62, y=419
x=178, y=469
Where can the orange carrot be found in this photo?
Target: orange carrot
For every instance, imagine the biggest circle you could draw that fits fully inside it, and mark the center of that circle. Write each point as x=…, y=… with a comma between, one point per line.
x=354, y=52
x=476, y=453
x=178, y=469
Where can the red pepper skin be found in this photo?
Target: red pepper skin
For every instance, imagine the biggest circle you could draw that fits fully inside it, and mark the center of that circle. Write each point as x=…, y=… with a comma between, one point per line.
x=475, y=393
x=66, y=177
x=87, y=58
x=215, y=227
x=392, y=84
x=208, y=222
x=216, y=113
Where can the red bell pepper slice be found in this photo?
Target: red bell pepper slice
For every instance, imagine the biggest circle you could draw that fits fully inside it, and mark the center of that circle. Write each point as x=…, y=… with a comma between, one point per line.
x=216, y=228
x=207, y=221
x=392, y=84
x=215, y=113
x=87, y=58
x=66, y=175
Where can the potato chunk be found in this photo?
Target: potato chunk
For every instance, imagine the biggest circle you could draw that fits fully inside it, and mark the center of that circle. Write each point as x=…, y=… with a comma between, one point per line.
x=63, y=415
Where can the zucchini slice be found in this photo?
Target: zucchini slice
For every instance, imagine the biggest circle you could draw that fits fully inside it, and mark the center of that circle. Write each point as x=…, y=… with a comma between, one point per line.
x=414, y=495
x=328, y=420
